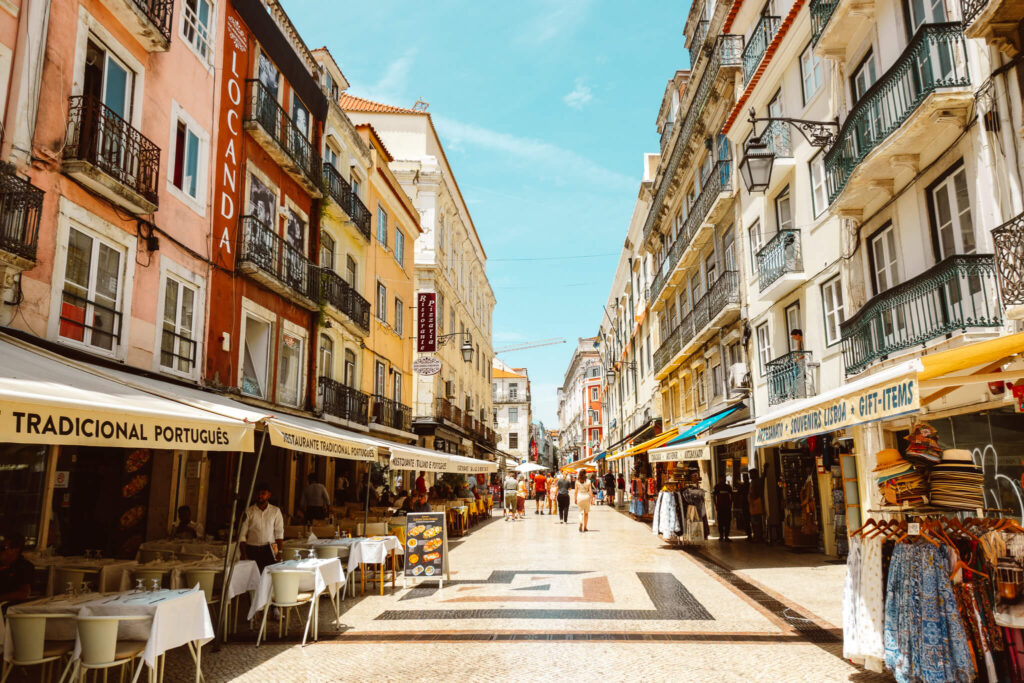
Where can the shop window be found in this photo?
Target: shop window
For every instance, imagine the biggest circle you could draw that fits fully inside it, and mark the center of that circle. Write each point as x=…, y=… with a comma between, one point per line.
x=196, y=20
x=256, y=350
x=23, y=481
x=382, y=227
x=289, y=369
x=398, y=316
x=177, y=342
x=90, y=305
x=835, y=310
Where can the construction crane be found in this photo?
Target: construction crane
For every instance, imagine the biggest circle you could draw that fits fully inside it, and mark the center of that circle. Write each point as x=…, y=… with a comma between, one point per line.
x=530, y=345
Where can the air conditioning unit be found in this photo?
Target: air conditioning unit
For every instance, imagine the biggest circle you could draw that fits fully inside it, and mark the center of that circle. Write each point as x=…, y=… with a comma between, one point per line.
x=739, y=376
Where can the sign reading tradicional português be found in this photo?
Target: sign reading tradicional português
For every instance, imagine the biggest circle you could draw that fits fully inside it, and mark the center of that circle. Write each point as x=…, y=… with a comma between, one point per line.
x=426, y=545
x=426, y=322
x=891, y=399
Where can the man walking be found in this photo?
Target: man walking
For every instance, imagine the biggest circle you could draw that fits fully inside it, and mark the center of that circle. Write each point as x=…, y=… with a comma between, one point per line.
x=540, y=491
x=722, y=494
x=510, y=487
x=609, y=489
x=563, y=485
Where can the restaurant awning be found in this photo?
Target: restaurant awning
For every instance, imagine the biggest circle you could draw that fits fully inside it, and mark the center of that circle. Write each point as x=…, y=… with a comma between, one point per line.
x=700, y=449
x=48, y=399
x=646, y=445
x=405, y=457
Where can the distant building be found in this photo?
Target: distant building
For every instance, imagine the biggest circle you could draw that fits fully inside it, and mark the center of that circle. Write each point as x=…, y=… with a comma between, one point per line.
x=580, y=412
x=511, y=415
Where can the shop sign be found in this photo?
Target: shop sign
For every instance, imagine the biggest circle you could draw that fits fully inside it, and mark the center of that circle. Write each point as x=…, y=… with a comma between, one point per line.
x=891, y=399
x=426, y=323
x=286, y=436
x=427, y=365
x=682, y=454
x=61, y=480
x=227, y=183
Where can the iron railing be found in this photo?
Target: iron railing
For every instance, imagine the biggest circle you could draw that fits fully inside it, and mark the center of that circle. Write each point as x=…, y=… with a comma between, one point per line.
x=1009, y=244
x=719, y=179
x=159, y=13
x=700, y=32
x=443, y=408
x=666, y=133
x=456, y=415
x=80, y=315
x=777, y=136
x=343, y=401
x=510, y=397
x=261, y=107
x=338, y=293
x=339, y=189
x=971, y=9
x=954, y=294
x=781, y=255
x=177, y=351
x=391, y=413
x=791, y=376
x=821, y=12
x=935, y=58
x=97, y=135
x=766, y=28
x=723, y=292
x=21, y=204
x=265, y=249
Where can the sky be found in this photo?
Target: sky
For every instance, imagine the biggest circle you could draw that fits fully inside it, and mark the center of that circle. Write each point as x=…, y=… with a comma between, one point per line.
x=545, y=109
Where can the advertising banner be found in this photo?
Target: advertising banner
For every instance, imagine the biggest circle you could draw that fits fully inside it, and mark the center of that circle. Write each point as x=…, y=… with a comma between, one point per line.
x=680, y=454
x=318, y=443
x=426, y=322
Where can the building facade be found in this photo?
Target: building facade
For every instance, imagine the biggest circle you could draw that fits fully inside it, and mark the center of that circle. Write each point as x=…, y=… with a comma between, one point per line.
x=580, y=409
x=512, y=417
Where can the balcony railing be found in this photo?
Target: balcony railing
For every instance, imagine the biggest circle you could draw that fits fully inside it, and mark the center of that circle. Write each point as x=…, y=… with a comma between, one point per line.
x=724, y=292
x=1009, y=243
x=700, y=32
x=456, y=415
x=780, y=256
x=760, y=39
x=970, y=9
x=719, y=179
x=20, y=206
x=955, y=294
x=339, y=189
x=391, y=413
x=262, y=247
x=510, y=396
x=338, y=293
x=791, y=376
x=343, y=401
x=935, y=58
x=262, y=108
x=159, y=13
x=777, y=136
x=443, y=408
x=100, y=137
x=821, y=12
x=666, y=133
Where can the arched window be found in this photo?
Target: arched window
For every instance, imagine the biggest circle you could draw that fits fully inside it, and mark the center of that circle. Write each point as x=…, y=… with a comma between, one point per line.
x=326, y=356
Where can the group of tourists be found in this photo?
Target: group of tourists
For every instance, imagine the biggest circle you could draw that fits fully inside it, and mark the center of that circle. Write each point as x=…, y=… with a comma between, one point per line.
x=551, y=492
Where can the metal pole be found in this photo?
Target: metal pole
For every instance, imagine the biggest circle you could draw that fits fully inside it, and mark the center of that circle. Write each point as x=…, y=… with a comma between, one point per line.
x=366, y=506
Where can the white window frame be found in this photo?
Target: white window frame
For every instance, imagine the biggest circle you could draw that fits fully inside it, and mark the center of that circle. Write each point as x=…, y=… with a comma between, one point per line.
x=197, y=203
x=513, y=415
x=251, y=309
x=210, y=41
x=835, y=314
x=818, y=203
x=399, y=317
x=322, y=369
x=764, y=346
x=382, y=227
x=400, y=247
x=814, y=77
x=90, y=26
x=290, y=328
x=169, y=270
x=382, y=302
x=794, y=321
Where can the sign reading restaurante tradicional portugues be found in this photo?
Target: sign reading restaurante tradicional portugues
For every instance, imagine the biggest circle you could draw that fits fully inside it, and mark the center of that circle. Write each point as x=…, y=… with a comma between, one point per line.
x=681, y=454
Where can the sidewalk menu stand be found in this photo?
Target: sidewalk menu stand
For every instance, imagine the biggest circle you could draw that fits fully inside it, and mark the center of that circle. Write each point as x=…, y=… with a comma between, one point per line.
x=426, y=547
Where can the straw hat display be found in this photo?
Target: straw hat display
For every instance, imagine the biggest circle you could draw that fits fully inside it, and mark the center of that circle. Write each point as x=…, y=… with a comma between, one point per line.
x=956, y=482
x=898, y=481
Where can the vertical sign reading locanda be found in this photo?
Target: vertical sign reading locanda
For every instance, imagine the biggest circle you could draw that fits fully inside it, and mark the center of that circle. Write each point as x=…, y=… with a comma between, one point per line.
x=426, y=327
x=229, y=146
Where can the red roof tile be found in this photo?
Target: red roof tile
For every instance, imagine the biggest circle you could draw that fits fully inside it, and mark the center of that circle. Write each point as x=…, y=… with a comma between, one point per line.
x=353, y=103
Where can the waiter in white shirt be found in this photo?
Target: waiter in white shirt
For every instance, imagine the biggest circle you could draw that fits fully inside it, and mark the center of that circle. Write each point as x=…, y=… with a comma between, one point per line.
x=262, y=535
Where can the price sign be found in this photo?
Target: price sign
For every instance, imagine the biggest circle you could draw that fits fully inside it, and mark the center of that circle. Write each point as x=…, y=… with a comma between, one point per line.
x=914, y=529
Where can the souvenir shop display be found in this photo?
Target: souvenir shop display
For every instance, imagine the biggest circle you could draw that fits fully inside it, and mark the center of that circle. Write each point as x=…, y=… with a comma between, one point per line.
x=642, y=495
x=927, y=475
x=799, y=493
x=669, y=514
x=899, y=482
x=679, y=513
x=956, y=482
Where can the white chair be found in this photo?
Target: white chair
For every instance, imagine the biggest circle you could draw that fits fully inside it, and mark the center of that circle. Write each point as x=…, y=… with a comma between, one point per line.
x=28, y=633
x=100, y=647
x=206, y=579
x=62, y=577
x=373, y=529
x=285, y=593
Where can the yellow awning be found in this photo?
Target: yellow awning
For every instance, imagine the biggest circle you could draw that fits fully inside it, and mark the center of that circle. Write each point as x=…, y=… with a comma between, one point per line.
x=579, y=464
x=646, y=445
x=970, y=355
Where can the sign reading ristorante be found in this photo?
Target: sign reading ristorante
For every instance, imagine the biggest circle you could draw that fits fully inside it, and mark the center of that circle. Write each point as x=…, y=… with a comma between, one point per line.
x=426, y=322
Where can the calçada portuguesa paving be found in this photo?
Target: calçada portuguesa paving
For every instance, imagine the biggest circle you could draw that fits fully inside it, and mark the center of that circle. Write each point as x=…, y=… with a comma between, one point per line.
x=537, y=600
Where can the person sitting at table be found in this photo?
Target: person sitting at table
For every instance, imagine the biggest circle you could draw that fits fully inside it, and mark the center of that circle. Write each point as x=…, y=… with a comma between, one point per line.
x=262, y=536
x=15, y=571
x=400, y=498
x=187, y=528
x=314, y=502
x=419, y=504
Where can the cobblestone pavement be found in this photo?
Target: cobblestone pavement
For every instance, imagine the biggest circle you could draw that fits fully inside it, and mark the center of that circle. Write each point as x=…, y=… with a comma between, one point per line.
x=535, y=600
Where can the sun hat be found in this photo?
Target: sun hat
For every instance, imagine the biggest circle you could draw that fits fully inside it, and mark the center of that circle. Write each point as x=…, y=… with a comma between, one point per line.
x=957, y=455
x=887, y=457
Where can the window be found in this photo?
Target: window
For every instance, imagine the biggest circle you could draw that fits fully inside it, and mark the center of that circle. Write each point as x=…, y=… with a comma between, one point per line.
x=819, y=195
x=793, y=324
x=494, y=416
x=92, y=291
x=300, y=117
x=835, y=311
x=330, y=154
x=950, y=206
x=177, y=343
x=256, y=335
x=764, y=346
x=382, y=303
x=350, y=368
x=185, y=161
x=112, y=82
x=196, y=17
x=716, y=380
x=701, y=386
x=327, y=247
x=783, y=211
x=920, y=12
x=400, y=247
x=451, y=317
x=593, y=394
x=350, y=272
x=398, y=317
x=289, y=369
x=354, y=182
x=755, y=244
x=382, y=227
x=513, y=390
x=884, y=266
x=729, y=250
x=513, y=440
x=396, y=387
x=513, y=415
x=811, y=73
x=864, y=76
x=380, y=374
x=710, y=269
x=325, y=357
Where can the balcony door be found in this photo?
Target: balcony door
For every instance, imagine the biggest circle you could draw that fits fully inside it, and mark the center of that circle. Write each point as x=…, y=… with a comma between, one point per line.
x=350, y=369
x=259, y=240
x=891, y=324
x=953, y=233
x=935, y=63
x=107, y=89
x=869, y=128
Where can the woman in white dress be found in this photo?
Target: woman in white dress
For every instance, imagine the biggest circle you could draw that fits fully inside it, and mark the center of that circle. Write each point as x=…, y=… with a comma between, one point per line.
x=583, y=497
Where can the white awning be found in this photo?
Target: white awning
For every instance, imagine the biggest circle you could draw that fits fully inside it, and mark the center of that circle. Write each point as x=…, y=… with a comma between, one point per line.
x=48, y=399
x=405, y=457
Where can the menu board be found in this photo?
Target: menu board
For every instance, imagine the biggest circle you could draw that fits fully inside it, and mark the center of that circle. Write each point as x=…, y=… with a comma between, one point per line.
x=426, y=545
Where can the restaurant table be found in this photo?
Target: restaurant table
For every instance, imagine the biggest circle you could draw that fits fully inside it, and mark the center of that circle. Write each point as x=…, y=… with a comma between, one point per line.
x=375, y=550
x=104, y=574
x=180, y=546
x=179, y=617
x=244, y=577
x=168, y=567
x=322, y=575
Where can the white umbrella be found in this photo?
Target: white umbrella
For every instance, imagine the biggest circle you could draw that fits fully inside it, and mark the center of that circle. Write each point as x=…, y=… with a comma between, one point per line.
x=529, y=467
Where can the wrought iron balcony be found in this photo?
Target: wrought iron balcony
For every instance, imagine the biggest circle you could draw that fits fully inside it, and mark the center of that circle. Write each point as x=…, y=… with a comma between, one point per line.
x=935, y=58
x=790, y=376
x=955, y=294
x=821, y=12
x=148, y=20
x=724, y=292
x=777, y=136
x=391, y=413
x=286, y=143
x=510, y=397
x=782, y=255
x=700, y=32
x=443, y=408
x=1009, y=243
x=701, y=320
x=339, y=294
x=760, y=39
x=343, y=401
x=105, y=153
x=268, y=258
x=21, y=203
x=995, y=21
x=340, y=191
x=666, y=134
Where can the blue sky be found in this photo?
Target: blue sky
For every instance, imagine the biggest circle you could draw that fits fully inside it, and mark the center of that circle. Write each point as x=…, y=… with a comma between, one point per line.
x=545, y=108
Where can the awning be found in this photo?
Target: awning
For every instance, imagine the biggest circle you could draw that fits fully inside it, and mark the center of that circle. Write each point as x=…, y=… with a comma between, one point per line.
x=600, y=456
x=646, y=445
x=405, y=457
x=690, y=433
x=700, y=450
x=579, y=464
x=47, y=399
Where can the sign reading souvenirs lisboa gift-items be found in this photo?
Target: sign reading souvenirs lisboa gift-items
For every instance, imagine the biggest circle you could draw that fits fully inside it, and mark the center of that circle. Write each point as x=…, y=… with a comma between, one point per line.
x=891, y=399
x=426, y=545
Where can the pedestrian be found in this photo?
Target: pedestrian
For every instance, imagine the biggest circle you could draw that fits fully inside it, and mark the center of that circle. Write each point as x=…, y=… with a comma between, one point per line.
x=421, y=483
x=262, y=535
x=620, y=491
x=722, y=494
x=740, y=505
x=522, y=493
x=540, y=492
x=510, y=486
x=563, y=485
x=584, y=495
x=756, y=506
x=552, y=494
x=609, y=488
x=314, y=502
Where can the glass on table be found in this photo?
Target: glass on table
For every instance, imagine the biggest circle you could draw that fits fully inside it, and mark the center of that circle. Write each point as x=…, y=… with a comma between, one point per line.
x=69, y=588
x=297, y=553
x=85, y=587
x=155, y=585
x=139, y=586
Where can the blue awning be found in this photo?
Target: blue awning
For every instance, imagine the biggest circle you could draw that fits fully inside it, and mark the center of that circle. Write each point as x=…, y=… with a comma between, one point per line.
x=691, y=433
x=600, y=456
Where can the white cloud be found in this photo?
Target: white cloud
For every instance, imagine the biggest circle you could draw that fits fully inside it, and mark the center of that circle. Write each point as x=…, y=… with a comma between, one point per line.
x=392, y=87
x=545, y=156
x=579, y=97
x=554, y=19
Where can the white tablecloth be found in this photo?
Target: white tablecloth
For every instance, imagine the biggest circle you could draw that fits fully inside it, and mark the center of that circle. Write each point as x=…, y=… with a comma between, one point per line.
x=178, y=617
x=245, y=577
x=373, y=550
x=177, y=546
x=323, y=575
